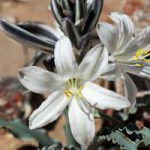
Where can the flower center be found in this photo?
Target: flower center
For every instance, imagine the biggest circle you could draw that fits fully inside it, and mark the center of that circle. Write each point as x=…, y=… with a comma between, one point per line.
x=143, y=55
x=73, y=89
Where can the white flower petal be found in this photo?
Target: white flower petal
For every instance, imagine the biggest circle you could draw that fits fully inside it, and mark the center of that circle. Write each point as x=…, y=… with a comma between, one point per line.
x=57, y=31
x=93, y=63
x=39, y=80
x=143, y=38
x=108, y=34
x=111, y=72
x=143, y=71
x=49, y=110
x=103, y=98
x=82, y=125
x=129, y=50
x=64, y=57
x=89, y=2
x=140, y=41
x=126, y=28
x=130, y=90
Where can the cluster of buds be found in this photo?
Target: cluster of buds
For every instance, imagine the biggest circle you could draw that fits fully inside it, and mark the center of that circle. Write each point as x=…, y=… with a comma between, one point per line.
x=12, y=100
x=77, y=18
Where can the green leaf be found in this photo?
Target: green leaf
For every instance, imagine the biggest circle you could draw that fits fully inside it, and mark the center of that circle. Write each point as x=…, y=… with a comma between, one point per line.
x=145, y=132
x=125, y=143
x=122, y=137
x=58, y=147
x=53, y=147
x=21, y=131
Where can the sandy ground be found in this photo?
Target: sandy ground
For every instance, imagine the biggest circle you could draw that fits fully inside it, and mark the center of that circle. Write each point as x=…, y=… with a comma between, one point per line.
x=11, y=56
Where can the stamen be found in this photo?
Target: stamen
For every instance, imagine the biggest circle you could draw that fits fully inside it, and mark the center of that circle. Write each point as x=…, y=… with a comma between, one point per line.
x=79, y=94
x=75, y=82
x=139, y=65
x=147, y=52
x=68, y=93
x=69, y=84
x=142, y=55
x=73, y=90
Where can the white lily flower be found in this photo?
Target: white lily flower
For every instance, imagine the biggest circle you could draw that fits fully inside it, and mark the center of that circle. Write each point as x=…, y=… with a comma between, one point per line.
x=72, y=87
x=128, y=53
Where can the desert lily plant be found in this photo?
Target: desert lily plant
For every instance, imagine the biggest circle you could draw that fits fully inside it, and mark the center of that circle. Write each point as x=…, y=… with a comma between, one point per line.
x=72, y=85
x=77, y=63
x=129, y=53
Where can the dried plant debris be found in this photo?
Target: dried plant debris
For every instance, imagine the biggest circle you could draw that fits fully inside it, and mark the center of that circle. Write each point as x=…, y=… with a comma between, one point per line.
x=12, y=99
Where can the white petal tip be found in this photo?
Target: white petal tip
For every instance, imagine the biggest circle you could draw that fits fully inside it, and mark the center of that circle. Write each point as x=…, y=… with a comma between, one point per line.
x=31, y=124
x=31, y=127
x=128, y=104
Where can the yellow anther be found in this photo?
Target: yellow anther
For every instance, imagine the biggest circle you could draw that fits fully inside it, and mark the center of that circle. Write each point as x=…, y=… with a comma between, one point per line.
x=72, y=89
x=68, y=93
x=138, y=54
x=141, y=55
x=147, y=52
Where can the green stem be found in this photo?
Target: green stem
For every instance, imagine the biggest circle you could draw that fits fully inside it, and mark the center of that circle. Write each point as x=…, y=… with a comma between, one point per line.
x=106, y=117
